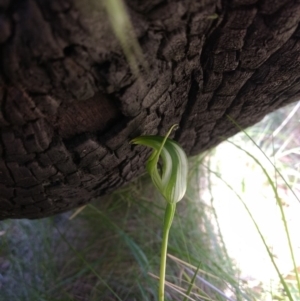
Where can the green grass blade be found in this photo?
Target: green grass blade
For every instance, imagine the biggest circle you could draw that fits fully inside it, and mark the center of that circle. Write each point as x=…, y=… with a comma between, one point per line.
x=278, y=171
x=274, y=189
x=188, y=292
x=282, y=280
x=137, y=252
x=124, y=32
x=88, y=265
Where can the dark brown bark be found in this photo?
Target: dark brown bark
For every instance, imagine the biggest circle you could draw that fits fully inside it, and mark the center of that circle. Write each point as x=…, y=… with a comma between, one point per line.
x=70, y=105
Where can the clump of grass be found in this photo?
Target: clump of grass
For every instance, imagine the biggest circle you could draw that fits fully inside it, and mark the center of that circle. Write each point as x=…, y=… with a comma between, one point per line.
x=274, y=176
x=30, y=254
x=109, y=252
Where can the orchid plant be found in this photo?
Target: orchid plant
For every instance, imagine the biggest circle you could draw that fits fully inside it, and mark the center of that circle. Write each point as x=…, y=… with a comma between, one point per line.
x=170, y=181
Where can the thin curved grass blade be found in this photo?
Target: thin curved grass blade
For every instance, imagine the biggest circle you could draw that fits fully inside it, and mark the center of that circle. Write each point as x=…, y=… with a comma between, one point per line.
x=124, y=31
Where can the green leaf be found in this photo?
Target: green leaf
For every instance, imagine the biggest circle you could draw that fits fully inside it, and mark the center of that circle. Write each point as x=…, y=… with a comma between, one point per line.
x=171, y=182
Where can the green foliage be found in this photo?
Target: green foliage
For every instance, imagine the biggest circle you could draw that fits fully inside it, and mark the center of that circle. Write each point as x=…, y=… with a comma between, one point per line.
x=273, y=186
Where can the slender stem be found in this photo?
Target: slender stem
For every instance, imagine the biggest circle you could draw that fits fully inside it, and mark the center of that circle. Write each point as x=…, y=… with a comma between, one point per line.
x=169, y=214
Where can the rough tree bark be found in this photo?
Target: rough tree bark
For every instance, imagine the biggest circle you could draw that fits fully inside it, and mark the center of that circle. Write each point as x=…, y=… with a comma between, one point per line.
x=70, y=105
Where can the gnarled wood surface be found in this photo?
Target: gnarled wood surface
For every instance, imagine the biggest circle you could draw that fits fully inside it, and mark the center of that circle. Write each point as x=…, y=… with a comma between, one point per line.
x=70, y=105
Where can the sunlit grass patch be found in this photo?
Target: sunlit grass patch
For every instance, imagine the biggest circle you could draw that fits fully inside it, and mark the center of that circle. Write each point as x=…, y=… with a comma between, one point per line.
x=260, y=170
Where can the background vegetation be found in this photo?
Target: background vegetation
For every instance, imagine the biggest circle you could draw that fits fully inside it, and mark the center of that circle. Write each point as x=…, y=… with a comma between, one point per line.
x=110, y=250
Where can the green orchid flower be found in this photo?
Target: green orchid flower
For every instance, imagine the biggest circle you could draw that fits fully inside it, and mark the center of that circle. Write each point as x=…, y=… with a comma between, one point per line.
x=172, y=180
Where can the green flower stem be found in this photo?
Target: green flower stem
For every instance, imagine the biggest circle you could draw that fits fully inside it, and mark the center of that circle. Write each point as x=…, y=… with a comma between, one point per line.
x=169, y=214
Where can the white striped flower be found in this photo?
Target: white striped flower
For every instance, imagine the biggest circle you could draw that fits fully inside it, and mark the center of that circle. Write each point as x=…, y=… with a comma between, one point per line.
x=171, y=181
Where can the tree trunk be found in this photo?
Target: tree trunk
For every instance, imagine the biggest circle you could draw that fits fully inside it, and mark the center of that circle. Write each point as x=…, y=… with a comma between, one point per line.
x=70, y=104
